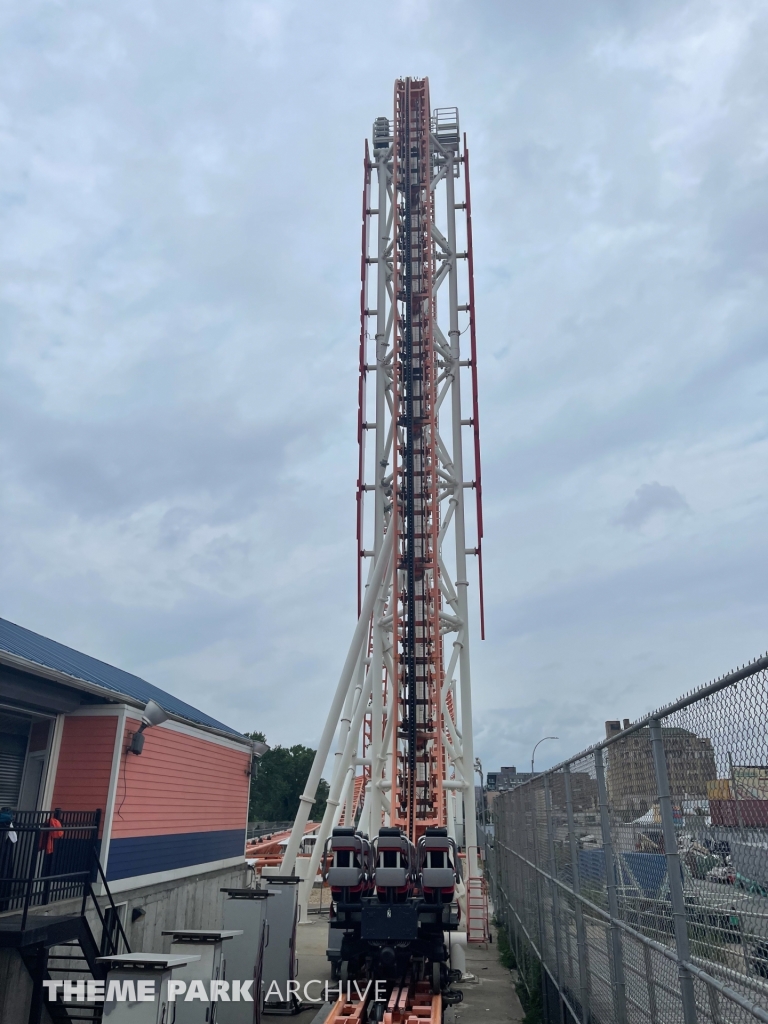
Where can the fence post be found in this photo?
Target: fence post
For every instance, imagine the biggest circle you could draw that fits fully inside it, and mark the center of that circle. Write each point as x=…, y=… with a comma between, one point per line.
x=581, y=938
x=554, y=893
x=714, y=1005
x=674, y=874
x=30, y=881
x=651, y=984
x=509, y=873
x=502, y=871
x=617, y=958
x=511, y=876
x=539, y=905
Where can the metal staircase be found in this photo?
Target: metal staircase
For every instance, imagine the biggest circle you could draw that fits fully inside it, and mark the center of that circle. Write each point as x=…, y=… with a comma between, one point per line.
x=59, y=943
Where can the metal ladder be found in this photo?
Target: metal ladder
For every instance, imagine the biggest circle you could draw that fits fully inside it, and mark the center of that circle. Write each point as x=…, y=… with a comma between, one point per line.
x=477, y=911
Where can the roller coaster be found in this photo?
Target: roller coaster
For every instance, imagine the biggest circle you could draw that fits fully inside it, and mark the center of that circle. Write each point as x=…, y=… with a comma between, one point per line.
x=397, y=845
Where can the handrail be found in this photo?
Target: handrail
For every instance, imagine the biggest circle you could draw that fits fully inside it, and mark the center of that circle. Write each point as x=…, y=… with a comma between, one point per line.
x=34, y=885
x=111, y=903
x=50, y=862
x=27, y=883
x=14, y=827
x=31, y=879
x=85, y=876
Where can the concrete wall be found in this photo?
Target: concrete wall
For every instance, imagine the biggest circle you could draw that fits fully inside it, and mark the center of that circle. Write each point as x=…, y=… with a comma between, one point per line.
x=15, y=989
x=194, y=902
x=189, y=903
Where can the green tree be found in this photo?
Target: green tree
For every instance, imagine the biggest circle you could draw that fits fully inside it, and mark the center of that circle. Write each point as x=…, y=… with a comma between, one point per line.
x=283, y=773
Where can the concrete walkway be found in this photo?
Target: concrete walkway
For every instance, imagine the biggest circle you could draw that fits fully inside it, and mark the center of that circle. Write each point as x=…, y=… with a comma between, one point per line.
x=311, y=944
x=489, y=1000
x=492, y=998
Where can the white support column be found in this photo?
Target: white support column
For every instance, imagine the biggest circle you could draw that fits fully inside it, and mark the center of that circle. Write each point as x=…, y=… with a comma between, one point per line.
x=383, y=173
x=461, y=831
x=334, y=796
x=347, y=792
x=359, y=638
x=450, y=807
x=346, y=715
x=365, y=814
x=462, y=583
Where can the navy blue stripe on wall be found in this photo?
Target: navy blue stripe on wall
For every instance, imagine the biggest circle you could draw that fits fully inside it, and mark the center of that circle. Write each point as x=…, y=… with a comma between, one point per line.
x=144, y=855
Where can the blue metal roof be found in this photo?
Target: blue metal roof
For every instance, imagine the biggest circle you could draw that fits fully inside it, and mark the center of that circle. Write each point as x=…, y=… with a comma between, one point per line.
x=42, y=651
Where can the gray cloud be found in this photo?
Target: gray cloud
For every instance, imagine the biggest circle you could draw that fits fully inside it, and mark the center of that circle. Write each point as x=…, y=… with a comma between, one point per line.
x=650, y=500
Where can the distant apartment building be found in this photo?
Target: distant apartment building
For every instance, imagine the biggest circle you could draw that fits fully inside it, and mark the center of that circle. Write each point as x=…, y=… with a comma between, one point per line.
x=504, y=779
x=630, y=776
x=583, y=787
x=583, y=791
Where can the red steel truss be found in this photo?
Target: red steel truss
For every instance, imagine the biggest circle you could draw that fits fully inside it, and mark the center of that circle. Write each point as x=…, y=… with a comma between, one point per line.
x=417, y=794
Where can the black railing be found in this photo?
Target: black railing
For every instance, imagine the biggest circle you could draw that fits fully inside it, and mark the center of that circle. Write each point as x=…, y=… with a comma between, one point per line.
x=112, y=930
x=257, y=829
x=47, y=863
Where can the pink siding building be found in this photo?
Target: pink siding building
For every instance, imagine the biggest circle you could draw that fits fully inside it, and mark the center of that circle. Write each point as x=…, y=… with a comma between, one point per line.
x=178, y=808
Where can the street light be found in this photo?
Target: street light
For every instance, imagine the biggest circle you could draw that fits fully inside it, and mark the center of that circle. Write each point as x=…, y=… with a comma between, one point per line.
x=533, y=753
x=479, y=770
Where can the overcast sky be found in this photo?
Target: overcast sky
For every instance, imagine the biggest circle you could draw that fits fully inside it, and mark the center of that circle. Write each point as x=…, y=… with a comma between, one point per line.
x=179, y=266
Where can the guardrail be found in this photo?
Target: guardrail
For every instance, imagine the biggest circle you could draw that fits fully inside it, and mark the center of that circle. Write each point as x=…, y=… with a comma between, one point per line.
x=636, y=872
x=44, y=863
x=47, y=863
x=256, y=829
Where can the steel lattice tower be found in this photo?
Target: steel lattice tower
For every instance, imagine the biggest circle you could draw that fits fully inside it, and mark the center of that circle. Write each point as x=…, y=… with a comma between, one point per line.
x=403, y=705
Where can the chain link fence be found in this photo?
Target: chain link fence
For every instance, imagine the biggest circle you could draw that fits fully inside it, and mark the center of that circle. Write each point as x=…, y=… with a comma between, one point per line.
x=636, y=873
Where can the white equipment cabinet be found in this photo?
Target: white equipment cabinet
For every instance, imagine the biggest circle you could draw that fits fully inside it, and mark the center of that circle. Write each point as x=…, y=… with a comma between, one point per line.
x=246, y=911
x=209, y=965
x=280, y=963
x=134, y=968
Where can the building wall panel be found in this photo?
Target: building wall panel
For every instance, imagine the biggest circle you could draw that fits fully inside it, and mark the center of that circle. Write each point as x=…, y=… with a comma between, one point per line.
x=144, y=855
x=85, y=763
x=180, y=784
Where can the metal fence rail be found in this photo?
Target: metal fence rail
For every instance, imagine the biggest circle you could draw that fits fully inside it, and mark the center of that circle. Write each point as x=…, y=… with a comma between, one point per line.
x=636, y=872
x=265, y=828
x=40, y=863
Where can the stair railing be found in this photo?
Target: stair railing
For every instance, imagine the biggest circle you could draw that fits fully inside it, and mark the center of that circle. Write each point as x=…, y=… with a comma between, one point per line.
x=113, y=941
x=46, y=863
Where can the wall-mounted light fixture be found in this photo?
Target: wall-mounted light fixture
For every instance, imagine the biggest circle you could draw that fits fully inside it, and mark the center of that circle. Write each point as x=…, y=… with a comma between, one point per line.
x=153, y=714
x=259, y=750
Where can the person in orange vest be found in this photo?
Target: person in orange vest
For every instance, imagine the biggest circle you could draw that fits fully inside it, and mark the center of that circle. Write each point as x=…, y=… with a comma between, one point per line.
x=54, y=830
x=48, y=839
